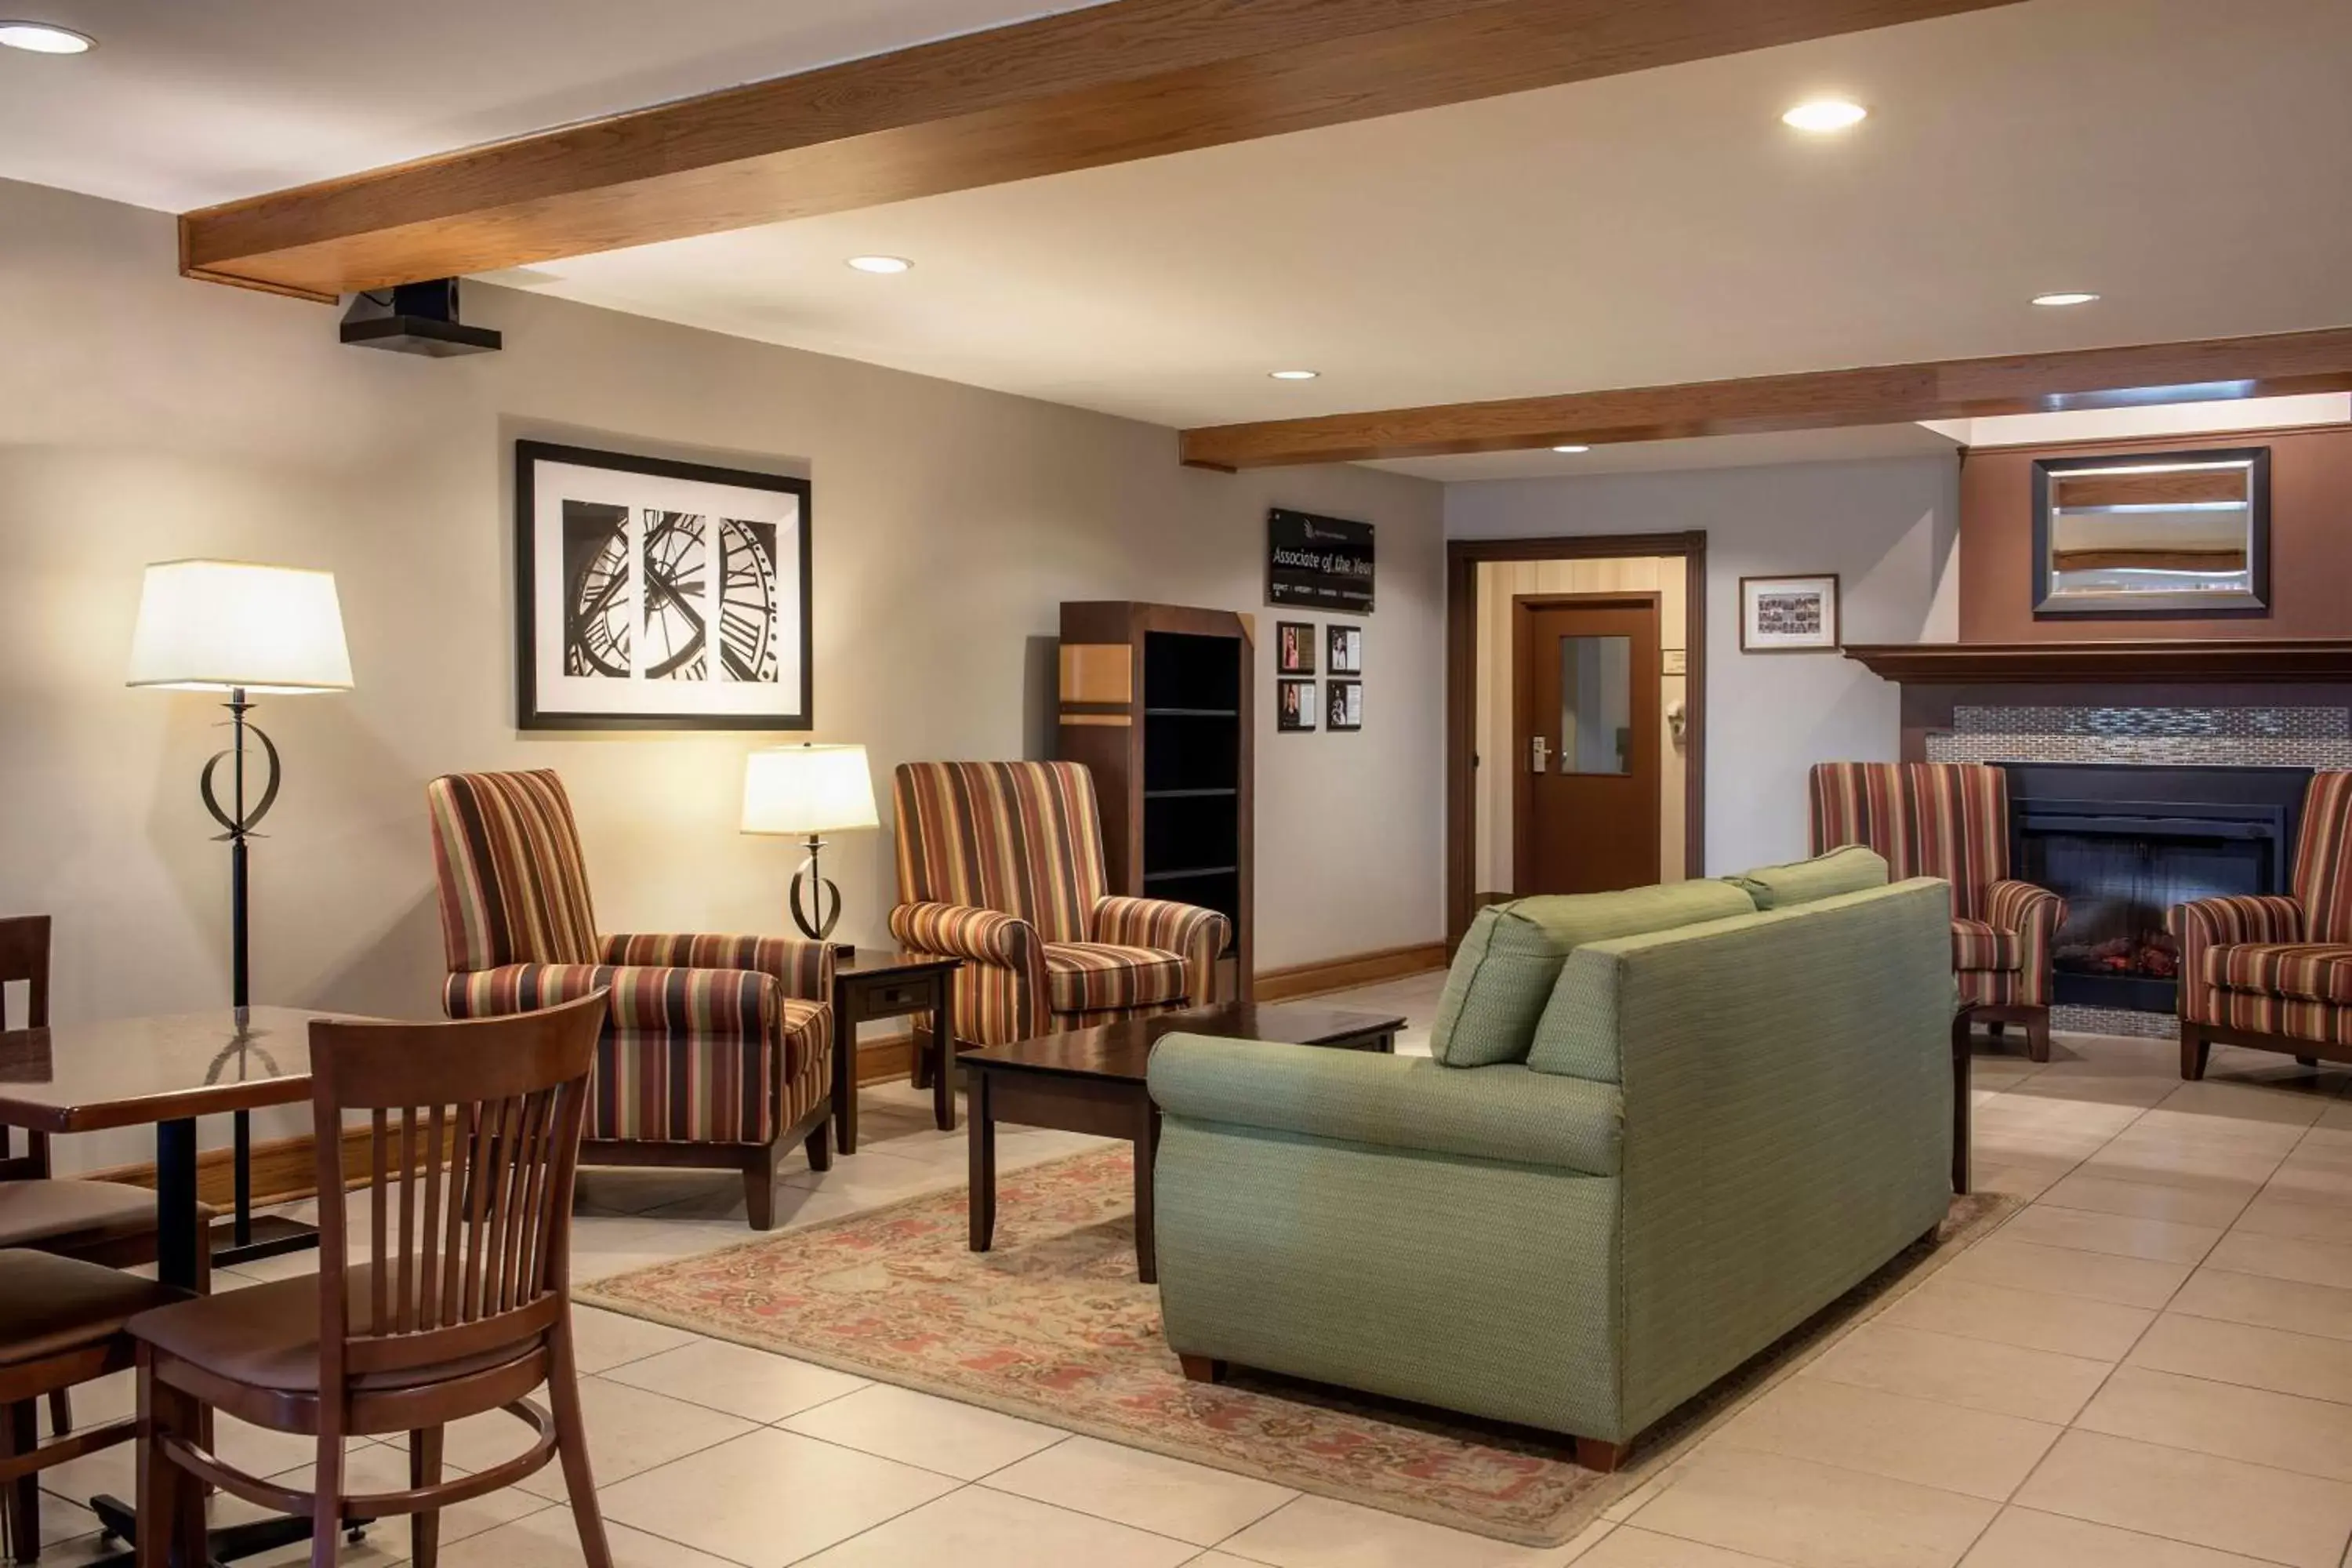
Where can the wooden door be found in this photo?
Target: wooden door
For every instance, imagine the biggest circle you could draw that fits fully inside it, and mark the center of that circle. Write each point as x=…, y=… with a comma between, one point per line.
x=1586, y=754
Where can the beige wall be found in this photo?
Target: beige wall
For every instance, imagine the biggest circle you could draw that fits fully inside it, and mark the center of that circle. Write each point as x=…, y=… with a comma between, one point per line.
x=144, y=416
x=1499, y=581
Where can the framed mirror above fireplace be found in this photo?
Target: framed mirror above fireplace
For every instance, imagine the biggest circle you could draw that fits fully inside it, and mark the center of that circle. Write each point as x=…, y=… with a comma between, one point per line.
x=2152, y=535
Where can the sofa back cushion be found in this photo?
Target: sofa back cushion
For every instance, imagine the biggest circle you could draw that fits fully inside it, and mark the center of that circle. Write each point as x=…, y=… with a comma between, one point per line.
x=1021, y=838
x=1851, y=868
x=1504, y=970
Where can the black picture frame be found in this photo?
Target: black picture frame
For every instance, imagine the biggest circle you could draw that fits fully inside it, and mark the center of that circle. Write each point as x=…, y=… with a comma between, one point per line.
x=1344, y=648
x=530, y=713
x=1343, y=706
x=1317, y=563
x=1293, y=647
x=2042, y=595
x=1295, y=712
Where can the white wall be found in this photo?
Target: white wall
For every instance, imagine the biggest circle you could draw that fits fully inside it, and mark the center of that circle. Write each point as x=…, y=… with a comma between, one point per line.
x=1889, y=529
x=144, y=416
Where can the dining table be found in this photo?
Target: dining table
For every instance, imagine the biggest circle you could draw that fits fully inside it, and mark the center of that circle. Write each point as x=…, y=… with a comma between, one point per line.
x=165, y=1072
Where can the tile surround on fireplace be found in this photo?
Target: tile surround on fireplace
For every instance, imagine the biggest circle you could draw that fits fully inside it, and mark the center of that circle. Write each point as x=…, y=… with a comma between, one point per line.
x=2261, y=737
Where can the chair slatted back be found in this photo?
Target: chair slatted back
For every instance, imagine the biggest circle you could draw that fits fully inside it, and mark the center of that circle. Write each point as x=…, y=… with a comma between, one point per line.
x=25, y=960
x=472, y=1143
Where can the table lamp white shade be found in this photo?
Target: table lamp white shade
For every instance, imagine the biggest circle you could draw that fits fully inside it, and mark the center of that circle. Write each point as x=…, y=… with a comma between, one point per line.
x=217, y=626
x=808, y=790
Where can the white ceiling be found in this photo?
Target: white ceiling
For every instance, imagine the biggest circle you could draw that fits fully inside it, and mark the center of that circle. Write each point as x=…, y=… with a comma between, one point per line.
x=2186, y=159
x=188, y=103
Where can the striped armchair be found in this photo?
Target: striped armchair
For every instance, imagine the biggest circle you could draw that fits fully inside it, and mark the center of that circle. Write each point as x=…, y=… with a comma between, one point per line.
x=1951, y=820
x=2276, y=973
x=717, y=1050
x=1001, y=863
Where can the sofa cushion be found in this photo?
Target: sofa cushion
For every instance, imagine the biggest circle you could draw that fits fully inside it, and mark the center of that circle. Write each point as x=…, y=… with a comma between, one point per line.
x=1095, y=976
x=1848, y=868
x=1976, y=945
x=2309, y=971
x=1504, y=970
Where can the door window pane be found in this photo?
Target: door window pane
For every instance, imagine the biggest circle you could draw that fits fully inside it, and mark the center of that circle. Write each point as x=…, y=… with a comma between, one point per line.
x=1596, y=705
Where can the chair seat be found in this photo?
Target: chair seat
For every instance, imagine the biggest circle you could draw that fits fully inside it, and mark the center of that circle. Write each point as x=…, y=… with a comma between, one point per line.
x=1976, y=945
x=1095, y=976
x=2307, y=971
x=267, y=1336
x=39, y=1210
x=49, y=1304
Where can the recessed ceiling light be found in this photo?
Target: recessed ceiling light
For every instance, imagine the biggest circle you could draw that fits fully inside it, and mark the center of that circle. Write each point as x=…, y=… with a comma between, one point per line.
x=2067, y=298
x=1294, y=375
x=40, y=38
x=880, y=263
x=1571, y=449
x=1825, y=114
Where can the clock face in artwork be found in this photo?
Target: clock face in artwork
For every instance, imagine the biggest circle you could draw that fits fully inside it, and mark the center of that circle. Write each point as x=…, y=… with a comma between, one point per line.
x=746, y=599
x=676, y=545
x=597, y=600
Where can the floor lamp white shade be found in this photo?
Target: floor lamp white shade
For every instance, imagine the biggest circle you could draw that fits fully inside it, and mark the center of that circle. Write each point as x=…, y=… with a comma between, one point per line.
x=218, y=625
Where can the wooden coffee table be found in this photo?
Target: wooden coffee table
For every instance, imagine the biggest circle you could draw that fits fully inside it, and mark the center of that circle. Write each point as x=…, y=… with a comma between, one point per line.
x=1092, y=1080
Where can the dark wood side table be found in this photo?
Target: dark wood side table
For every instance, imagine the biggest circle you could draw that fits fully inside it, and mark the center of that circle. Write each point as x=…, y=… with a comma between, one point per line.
x=883, y=983
x=1092, y=1080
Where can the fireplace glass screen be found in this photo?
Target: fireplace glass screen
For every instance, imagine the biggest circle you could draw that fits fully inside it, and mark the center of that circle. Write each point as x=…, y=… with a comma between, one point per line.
x=2120, y=886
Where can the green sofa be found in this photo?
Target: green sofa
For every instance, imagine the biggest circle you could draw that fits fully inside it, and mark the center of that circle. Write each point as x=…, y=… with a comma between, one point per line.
x=1692, y=1124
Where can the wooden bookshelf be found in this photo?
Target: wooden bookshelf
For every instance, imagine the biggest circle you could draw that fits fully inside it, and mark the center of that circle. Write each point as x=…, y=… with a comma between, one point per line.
x=1156, y=701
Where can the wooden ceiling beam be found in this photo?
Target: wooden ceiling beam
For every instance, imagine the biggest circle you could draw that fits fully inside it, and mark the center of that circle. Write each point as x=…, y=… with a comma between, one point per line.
x=1107, y=84
x=2209, y=371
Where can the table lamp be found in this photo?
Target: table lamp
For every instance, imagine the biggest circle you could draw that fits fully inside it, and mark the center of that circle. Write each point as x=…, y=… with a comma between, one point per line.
x=246, y=630
x=807, y=792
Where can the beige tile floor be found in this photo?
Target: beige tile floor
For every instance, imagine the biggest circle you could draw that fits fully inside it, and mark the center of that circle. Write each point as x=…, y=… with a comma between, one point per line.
x=2149, y=1366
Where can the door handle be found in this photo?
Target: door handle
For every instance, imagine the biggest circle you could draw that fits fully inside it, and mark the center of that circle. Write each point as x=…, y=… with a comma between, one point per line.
x=1537, y=749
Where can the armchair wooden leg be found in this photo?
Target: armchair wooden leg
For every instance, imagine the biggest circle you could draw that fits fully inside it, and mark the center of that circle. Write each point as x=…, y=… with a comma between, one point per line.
x=2196, y=1050
x=1201, y=1369
x=424, y=1470
x=759, y=1184
x=2037, y=1034
x=819, y=1144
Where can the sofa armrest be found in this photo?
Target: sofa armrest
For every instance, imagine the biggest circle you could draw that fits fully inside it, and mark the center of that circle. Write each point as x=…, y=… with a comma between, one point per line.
x=804, y=969
x=1195, y=935
x=976, y=936
x=1506, y=1113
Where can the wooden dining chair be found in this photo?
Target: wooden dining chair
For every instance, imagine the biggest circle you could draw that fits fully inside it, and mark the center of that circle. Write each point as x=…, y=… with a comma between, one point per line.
x=463, y=1304
x=109, y=1223
x=61, y=1323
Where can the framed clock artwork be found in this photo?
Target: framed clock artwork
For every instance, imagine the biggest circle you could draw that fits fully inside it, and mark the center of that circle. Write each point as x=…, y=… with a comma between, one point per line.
x=654, y=594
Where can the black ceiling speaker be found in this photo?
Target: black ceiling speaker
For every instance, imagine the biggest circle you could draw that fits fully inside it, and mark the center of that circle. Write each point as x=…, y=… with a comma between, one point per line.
x=415, y=319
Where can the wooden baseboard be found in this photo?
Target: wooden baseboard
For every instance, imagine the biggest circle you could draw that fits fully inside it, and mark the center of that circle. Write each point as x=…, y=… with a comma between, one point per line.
x=1342, y=973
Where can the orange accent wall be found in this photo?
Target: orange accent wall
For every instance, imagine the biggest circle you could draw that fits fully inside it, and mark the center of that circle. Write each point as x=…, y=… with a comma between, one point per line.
x=2311, y=541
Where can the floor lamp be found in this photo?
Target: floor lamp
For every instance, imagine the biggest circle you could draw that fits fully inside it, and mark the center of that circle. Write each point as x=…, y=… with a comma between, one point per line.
x=248, y=631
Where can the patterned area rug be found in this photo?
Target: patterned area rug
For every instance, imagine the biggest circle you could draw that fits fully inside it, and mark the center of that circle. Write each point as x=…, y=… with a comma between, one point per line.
x=1052, y=1326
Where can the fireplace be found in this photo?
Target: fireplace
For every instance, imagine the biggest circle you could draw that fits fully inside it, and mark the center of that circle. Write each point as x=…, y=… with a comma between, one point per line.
x=2123, y=843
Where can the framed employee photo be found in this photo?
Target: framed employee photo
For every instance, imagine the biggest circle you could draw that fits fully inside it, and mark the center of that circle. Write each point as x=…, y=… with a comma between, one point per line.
x=1347, y=649
x=1294, y=705
x=1344, y=701
x=1293, y=647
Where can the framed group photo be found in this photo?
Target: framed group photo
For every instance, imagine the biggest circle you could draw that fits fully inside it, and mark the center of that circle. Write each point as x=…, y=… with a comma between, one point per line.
x=655, y=594
x=1788, y=615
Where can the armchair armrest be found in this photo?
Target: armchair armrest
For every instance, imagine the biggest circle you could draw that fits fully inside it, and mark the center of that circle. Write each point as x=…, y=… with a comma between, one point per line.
x=2022, y=909
x=1198, y=935
x=1509, y=1113
x=643, y=999
x=804, y=969
x=2215, y=922
x=976, y=936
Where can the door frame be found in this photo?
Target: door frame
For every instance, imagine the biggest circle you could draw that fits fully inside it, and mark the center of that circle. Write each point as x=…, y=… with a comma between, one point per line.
x=1463, y=559
x=1522, y=605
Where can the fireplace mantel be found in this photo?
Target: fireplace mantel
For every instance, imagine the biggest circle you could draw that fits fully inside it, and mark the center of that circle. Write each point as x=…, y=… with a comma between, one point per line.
x=2168, y=661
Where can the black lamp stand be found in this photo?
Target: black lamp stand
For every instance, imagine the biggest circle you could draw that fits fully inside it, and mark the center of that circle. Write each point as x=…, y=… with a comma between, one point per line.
x=271, y=1235
x=810, y=893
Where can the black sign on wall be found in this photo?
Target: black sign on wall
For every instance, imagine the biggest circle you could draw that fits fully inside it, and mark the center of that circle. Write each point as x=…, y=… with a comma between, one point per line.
x=1319, y=562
